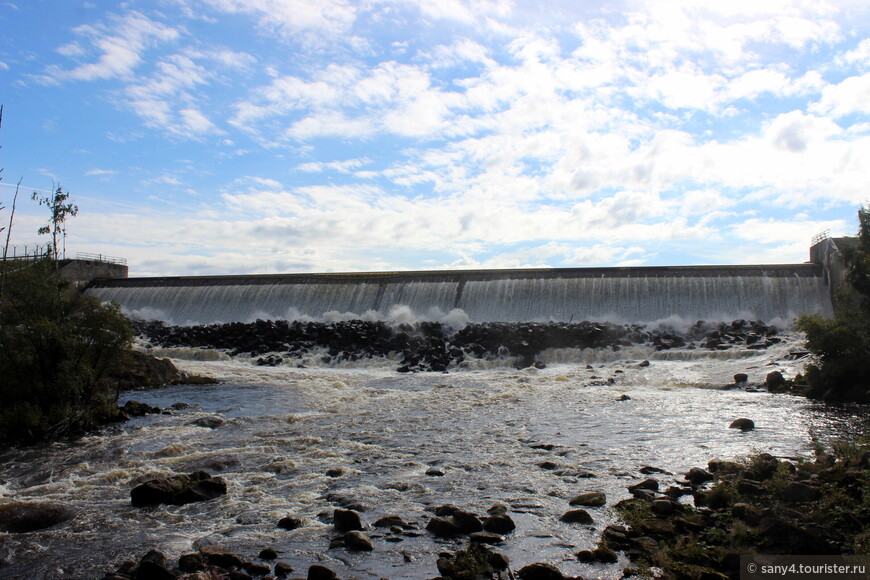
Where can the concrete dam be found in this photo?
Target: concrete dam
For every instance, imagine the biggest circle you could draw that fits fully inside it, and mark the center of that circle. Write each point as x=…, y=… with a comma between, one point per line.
x=771, y=293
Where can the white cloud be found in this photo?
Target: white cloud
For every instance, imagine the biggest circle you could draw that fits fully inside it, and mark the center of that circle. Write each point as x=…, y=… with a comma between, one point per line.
x=852, y=95
x=294, y=17
x=120, y=45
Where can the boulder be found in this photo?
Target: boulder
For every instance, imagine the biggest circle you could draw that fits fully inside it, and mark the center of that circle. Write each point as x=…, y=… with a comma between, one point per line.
x=18, y=517
x=589, y=499
x=646, y=484
x=346, y=520
x=290, y=523
x=540, y=571
x=467, y=521
x=775, y=382
x=499, y=524
x=743, y=424
x=220, y=557
x=178, y=489
x=697, y=476
x=318, y=572
x=358, y=542
x=799, y=492
x=443, y=527
x=578, y=516
x=741, y=379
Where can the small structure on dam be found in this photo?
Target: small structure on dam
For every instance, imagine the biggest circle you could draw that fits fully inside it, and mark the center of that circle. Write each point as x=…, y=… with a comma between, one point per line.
x=624, y=295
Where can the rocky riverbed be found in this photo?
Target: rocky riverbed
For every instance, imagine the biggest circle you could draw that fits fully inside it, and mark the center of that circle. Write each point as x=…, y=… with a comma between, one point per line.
x=435, y=346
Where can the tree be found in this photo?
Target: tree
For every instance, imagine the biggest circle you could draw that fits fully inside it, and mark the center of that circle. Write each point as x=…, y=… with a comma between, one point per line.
x=842, y=343
x=61, y=209
x=56, y=346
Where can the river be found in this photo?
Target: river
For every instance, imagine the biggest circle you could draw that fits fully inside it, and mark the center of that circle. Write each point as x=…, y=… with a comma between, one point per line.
x=303, y=441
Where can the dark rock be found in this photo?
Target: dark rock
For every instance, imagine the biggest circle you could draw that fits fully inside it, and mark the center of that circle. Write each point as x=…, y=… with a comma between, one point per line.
x=358, y=542
x=257, y=569
x=624, y=398
x=743, y=424
x=212, y=422
x=390, y=521
x=346, y=520
x=21, y=517
x=220, y=557
x=498, y=509
x=268, y=554
x=799, y=492
x=649, y=470
x=143, y=370
x=152, y=571
x=443, y=528
x=499, y=524
x=775, y=382
x=697, y=476
x=548, y=465
x=646, y=484
x=741, y=378
x=486, y=538
x=137, y=409
x=336, y=472
x=540, y=571
x=578, y=516
x=589, y=499
x=190, y=563
x=746, y=512
x=643, y=364
x=662, y=506
x=178, y=489
x=290, y=523
x=318, y=572
x=467, y=521
x=792, y=538
x=283, y=569
x=435, y=472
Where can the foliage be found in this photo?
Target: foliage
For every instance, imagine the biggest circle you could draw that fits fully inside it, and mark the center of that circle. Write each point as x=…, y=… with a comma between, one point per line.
x=61, y=209
x=842, y=343
x=55, y=348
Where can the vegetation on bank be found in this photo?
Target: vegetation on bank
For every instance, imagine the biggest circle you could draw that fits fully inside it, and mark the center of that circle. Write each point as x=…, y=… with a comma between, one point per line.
x=841, y=344
x=760, y=505
x=56, y=349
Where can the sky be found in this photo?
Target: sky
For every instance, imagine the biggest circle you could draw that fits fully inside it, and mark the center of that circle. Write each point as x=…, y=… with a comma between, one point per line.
x=207, y=137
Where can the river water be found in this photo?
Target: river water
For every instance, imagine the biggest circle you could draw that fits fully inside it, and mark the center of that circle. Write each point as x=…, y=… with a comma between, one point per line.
x=303, y=441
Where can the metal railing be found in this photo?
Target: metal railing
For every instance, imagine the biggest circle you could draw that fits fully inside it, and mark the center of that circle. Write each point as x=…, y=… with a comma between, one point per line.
x=84, y=256
x=820, y=237
x=26, y=252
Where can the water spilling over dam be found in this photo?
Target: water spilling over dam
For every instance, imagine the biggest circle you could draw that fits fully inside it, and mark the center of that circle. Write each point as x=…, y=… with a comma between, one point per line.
x=636, y=295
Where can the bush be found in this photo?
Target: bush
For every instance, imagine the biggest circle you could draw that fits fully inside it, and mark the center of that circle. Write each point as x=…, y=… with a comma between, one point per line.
x=55, y=348
x=842, y=343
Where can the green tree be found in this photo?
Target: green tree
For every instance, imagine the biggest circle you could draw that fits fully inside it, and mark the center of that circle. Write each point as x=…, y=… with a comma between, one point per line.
x=56, y=346
x=61, y=209
x=842, y=343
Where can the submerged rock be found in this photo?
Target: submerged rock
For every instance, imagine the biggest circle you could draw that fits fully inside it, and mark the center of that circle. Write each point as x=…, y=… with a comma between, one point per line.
x=178, y=489
x=17, y=517
x=743, y=424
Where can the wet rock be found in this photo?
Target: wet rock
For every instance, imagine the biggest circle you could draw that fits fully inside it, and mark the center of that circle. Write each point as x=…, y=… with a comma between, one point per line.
x=548, y=465
x=443, y=528
x=624, y=398
x=663, y=506
x=540, y=571
x=390, y=521
x=741, y=379
x=746, y=512
x=497, y=509
x=589, y=499
x=290, y=523
x=435, y=472
x=799, y=492
x=697, y=476
x=467, y=521
x=346, y=520
x=336, y=472
x=268, y=554
x=18, y=517
x=211, y=422
x=358, y=542
x=257, y=569
x=486, y=538
x=499, y=524
x=220, y=557
x=178, y=489
x=283, y=569
x=153, y=566
x=318, y=572
x=190, y=563
x=578, y=516
x=775, y=382
x=138, y=409
x=649, y=470
x=646, y=484
x=743, y=424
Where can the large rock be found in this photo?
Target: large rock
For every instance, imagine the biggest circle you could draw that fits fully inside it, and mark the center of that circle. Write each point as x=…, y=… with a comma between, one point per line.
x=578, y=516
x=21, y=517
x=540, y=571
x=178, y=489
x=589, y=499
x=743, y=424
x=358, y=542
x=346, y=520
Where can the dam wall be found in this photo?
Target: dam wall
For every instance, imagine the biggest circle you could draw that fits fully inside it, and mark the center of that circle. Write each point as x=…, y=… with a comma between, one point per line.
x=771, y=293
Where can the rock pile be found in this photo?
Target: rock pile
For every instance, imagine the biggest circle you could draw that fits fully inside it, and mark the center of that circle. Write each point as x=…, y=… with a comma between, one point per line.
x=432, y=346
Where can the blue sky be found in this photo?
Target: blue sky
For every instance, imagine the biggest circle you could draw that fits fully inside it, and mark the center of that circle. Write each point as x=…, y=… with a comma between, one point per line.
x=260, y=136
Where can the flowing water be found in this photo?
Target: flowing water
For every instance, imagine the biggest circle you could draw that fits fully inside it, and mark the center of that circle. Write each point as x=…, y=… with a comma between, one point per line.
x=377, y=433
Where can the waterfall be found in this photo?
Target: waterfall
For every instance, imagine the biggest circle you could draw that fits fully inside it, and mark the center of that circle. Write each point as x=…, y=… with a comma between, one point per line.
x=625, y=295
